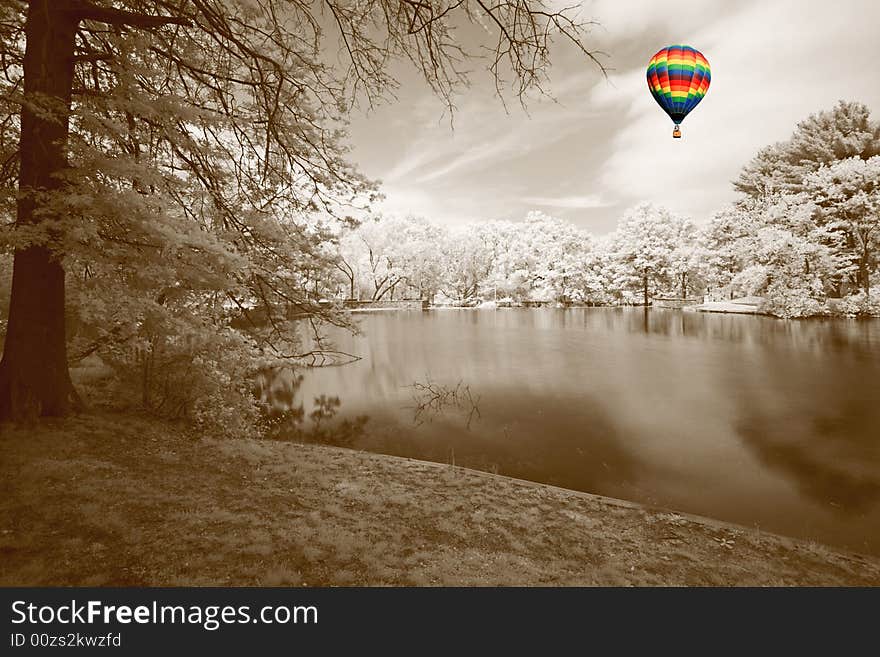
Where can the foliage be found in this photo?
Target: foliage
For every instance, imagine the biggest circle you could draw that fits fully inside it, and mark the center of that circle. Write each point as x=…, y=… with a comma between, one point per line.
x=858, y=305
x=807, y=225
x=823, y=138
x=847, y=193
x=182, y=372
x=466, y=260
x=555, y=252
x=651, y=246
x=389, y=256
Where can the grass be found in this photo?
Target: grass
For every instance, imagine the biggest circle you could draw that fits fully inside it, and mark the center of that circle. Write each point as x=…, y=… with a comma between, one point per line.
x=119, y=500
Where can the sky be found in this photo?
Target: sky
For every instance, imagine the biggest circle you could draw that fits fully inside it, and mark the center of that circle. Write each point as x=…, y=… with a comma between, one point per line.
x=602, y=145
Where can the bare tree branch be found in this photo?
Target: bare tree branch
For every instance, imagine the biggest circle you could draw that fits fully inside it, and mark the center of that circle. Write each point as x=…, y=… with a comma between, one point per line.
x=89, y=11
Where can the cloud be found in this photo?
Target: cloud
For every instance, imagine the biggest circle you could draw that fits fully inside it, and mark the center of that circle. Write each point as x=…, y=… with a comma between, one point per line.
x=475, y=154
x=570, y=202
x=485, y=136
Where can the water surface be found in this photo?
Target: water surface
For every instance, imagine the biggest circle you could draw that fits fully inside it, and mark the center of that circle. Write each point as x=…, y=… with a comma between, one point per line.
x=768, y=423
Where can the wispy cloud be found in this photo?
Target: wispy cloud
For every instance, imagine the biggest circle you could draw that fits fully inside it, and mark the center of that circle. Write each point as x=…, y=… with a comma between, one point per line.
x=570, y=202
x=440, y=151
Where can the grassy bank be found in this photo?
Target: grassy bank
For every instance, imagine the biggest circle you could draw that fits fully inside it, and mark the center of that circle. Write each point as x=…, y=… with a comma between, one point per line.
x=115, y=500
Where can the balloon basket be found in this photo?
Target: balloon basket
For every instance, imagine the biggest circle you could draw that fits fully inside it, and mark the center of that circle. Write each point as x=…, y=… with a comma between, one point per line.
x=676, y=133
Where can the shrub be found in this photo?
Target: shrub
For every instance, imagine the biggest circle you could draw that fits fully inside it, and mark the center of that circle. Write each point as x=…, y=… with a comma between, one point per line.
x=791, y=302
x=203, y=376
x=859, y=305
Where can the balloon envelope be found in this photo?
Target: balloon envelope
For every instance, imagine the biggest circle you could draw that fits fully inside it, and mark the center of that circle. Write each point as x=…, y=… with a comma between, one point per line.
x=678, y=77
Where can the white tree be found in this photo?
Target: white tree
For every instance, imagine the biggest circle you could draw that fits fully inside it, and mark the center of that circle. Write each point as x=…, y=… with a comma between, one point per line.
x=787, y=270
x=466, y=261
x=847, y=194
x=510, y=275
x=555, y=249
x=846, y=130
x=719, y=246
x=388, y=255
x=644, y=244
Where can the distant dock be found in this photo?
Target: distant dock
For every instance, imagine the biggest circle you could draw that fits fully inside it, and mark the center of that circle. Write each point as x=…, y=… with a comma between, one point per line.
x=742, y=306
x=675, y=302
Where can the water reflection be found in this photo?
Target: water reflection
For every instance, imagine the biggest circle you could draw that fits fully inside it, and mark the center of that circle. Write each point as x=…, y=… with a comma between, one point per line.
x=827, y=448
x=822, y=472
x=749, y=419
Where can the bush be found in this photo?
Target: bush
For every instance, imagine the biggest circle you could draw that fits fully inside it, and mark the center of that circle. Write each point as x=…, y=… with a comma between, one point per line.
x=791, y=302
x=204, y=375
x=859, y=305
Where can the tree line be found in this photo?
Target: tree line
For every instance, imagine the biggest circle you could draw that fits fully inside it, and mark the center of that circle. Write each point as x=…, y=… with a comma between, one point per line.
x=804, y=235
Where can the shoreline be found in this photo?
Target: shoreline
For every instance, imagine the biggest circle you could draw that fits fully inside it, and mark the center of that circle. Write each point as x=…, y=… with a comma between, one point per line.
x=111, y=499
x=618, y=502
x=724, y=309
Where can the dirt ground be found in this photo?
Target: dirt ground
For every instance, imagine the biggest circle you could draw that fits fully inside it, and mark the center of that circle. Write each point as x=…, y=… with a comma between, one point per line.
x=118, y=500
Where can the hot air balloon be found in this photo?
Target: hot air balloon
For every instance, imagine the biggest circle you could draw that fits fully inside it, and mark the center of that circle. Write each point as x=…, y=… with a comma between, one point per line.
x=678, y=77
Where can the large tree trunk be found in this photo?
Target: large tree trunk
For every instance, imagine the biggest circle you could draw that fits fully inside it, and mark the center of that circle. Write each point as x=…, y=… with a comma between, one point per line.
x=34, y=379
x=645, y=287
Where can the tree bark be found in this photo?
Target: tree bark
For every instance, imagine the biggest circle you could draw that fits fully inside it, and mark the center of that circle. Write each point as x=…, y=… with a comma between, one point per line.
x=34, y=378
x=645, y=283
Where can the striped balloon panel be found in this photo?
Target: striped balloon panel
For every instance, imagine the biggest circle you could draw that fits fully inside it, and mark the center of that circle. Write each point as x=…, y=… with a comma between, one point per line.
x=678, y=77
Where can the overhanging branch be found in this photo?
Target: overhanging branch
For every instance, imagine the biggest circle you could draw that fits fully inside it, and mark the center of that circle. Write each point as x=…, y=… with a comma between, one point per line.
x=91, y=12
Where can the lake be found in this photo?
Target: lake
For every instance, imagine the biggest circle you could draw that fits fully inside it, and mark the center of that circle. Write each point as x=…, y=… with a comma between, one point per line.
x=768, y=423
